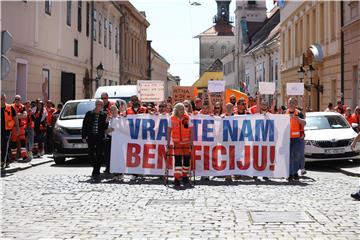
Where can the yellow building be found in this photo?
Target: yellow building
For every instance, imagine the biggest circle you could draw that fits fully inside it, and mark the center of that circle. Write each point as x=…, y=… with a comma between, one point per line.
x=311, y=35
x=214, y=72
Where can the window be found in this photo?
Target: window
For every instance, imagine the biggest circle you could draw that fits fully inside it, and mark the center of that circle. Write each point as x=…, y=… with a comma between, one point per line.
x=76, y=52
x=110, y=31
x=105, y=31
x=110, y=82
x=116, y=40
x=289, y=44
x=353, y=9
x=300, y=38
x=79, y=15
x=94, y=25
x=313, y=27
x=332, y=20
x=223, y=50
x=271, y=70
x=87, y=18
x=48, y=4
x=100, y=27
x=68, y=13
x=105, y=82
x=211, y=52
x=322, y=25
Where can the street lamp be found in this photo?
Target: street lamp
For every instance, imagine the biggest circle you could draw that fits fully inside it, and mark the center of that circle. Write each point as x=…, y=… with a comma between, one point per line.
x=301, y=72
x=99, y=73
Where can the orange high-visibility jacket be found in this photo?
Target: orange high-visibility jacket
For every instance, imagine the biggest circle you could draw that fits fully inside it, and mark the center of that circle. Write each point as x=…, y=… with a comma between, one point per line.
x=295, y=126
x=180, y=129
x=9, y=121
x=20, y=109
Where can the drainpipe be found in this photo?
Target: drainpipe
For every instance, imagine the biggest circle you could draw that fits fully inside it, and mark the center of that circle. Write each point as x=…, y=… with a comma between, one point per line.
x=342, y=50
x=92, y=46
x=121, y=48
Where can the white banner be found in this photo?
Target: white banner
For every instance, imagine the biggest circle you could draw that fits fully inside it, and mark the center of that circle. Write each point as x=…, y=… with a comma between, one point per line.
x=216, y=86
x=267, y=88
x=253, y=145
x=150, y=90
x=295, y=89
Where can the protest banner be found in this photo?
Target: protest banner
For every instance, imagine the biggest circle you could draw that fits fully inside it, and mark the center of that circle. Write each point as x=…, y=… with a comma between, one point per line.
x=295, y=89
x=181, y=93
x=253, y=145
x=216, y=86
x=267, y=88
x=150, y=90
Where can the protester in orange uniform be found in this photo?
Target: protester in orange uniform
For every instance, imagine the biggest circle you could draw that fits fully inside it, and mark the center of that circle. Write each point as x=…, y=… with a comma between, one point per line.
x=136, y=107
x=297, y=123
x=107, y=103
x=180, y=130
x=348, y=116
x=8, y=122
x=241, y=107
x=50, y=110
x=29, y=129
x=18, y=136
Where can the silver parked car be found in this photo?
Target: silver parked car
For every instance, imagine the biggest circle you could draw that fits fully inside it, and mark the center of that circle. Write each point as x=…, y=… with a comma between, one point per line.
x=67, y=129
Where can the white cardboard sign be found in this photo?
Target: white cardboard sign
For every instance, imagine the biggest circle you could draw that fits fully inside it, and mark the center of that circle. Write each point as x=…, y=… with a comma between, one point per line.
x=295, y=89
x=216, y=86
x=267, y=88
x=150, y=90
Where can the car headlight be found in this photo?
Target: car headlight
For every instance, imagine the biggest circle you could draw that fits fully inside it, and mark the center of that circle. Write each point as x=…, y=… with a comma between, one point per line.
x=312, y=143
x=59, y=129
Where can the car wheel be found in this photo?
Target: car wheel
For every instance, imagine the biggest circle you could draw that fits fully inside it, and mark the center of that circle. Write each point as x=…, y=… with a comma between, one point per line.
x=59, y=160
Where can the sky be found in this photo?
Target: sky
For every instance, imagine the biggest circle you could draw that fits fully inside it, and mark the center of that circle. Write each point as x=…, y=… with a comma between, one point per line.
x=173, y=26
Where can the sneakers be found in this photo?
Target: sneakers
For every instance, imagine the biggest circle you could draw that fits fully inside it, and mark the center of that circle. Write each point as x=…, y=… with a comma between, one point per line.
x=302, y=172
x=296, y=177
x=356, y=196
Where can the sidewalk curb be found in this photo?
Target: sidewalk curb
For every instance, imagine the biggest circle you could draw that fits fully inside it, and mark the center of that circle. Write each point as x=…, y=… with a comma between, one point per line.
x=348, y=172
x=27, y=166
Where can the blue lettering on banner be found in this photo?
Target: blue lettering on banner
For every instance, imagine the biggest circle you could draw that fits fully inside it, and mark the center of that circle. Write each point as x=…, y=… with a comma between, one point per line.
x=163, y=127
x=134, y=128
x=206, y=130
x=265, y=131
x=148, y=125
x=228, y=130
x=246, y=131
x=195, y=123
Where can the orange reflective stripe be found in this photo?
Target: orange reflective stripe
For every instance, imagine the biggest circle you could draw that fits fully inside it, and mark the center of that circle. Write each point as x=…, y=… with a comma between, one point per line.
x=295, y=127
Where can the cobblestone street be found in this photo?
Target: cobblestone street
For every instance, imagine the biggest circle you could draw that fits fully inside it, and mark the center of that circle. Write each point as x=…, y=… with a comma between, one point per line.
x=54, y=202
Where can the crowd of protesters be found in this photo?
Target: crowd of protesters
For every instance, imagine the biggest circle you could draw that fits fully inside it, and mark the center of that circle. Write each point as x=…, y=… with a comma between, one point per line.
x=26, y=129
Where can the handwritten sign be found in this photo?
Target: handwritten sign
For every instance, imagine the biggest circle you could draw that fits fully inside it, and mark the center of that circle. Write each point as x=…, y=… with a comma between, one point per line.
x=267, y=88
x=216, y=97
x=181, y=94
x=295, y=89
x=216, y=86
x=150, y=90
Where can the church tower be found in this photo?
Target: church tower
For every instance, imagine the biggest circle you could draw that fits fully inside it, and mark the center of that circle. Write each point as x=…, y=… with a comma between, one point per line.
x=218, y=40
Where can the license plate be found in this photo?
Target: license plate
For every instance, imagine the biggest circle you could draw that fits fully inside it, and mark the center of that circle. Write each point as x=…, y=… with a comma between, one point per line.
x=79, y=145
x=335, y=151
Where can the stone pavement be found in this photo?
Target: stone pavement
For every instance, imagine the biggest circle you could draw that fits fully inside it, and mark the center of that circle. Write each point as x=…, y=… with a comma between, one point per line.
x=60, y=206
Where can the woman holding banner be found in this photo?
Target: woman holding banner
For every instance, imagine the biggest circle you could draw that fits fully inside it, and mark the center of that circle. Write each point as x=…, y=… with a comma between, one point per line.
x=180, y=130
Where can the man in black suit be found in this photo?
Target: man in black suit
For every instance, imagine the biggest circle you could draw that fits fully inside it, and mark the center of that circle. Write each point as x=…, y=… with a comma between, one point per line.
x=93, y=132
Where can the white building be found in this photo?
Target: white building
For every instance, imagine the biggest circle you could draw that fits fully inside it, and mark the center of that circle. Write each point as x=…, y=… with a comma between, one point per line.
x=249, y=18
x=218, y=40
x=229, y=70
x=262, y=56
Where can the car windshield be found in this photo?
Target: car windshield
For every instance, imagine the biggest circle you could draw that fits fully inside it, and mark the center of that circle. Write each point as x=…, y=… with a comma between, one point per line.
x=76, y=110
x=325, y=122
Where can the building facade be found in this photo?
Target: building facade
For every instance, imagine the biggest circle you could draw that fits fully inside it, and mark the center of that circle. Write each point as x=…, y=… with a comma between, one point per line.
x=135, y=57
x=249, y=18
x=311, y=35
x=57, y=47
x=229, y=70
x=218, y=40
x=159, y=70
x=262, y=56
x=351, y=30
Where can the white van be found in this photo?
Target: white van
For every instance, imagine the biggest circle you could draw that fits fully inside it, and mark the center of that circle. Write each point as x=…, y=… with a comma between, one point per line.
x=123, y=92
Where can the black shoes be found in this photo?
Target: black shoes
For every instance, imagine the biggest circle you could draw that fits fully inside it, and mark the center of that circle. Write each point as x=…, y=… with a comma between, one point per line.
x=177, y=183
x=356, y=196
